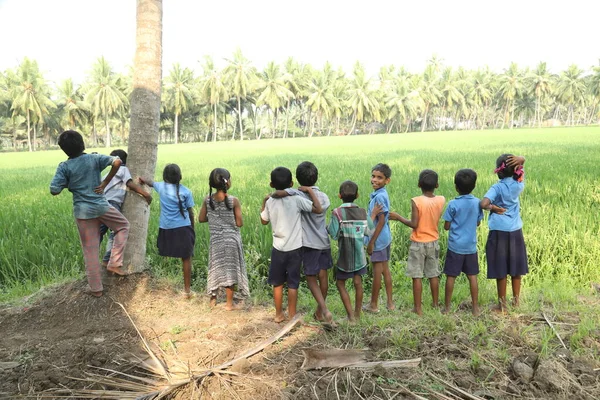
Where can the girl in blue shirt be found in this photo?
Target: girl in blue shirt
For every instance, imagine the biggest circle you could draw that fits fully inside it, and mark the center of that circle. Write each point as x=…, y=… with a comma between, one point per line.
x=176, y=235
x=505, y=248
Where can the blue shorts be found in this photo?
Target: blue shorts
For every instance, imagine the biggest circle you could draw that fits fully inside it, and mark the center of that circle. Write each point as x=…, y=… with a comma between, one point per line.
x=457, y=263
x=381, y=255
x=343, y=275
x=315, y=260
x=285, y=268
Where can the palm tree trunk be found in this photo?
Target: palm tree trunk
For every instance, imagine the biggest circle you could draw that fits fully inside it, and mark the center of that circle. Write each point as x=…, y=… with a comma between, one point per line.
x=391, y=126
x=351, y=131
x=214, y=138
x=424, y=121
x=274, y=125
x=34, y=136
x=144, y=126
x=107, y=141
x=176, y=128
x=287, y=119
x=29, y=132
x=240, y=119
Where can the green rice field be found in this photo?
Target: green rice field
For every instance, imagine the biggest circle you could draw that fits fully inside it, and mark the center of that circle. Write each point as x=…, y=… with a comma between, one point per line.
x=39, y=244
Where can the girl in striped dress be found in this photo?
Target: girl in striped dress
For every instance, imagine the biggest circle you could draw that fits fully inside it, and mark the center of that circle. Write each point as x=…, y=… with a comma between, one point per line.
x=226, y=265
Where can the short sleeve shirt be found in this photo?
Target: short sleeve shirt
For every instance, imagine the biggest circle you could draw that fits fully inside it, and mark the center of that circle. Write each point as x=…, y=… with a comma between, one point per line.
x=348, y=225
x=285, y=217
x=380, y=196
x=117, y=187
x=464, y=214
x=430, y=211
x=314, y=227
x=170, y=212
x=506, y=194
x=80, y=175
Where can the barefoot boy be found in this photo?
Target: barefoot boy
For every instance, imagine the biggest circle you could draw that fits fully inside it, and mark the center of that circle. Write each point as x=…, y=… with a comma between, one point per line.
x=462, y=217
x=286, y=255
x=349, y=224
x=380, y=241
x=423, y=254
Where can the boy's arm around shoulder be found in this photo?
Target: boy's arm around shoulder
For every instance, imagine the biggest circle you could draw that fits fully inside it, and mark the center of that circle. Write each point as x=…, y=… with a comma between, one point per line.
x=316, y=204
x=264, y=211
x=334, y=225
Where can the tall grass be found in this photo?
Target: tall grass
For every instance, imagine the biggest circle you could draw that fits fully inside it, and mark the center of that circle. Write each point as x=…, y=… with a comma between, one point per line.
x=39, y=242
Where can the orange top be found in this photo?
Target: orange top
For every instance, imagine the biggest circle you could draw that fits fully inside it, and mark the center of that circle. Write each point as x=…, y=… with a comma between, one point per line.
x=430, y=211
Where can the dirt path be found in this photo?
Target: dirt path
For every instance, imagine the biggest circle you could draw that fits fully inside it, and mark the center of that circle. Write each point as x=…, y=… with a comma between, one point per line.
x=64, y=334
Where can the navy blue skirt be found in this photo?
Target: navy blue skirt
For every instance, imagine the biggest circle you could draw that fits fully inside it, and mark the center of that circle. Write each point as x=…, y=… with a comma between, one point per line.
x=176, y=242
x=506, y=254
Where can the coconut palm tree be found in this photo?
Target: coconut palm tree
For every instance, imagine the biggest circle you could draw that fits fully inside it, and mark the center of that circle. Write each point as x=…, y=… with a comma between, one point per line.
x=321, y=97
x=541, y=81
x=450, y=94
x=30, y=96
x=402, y=100
x=571, y=90
x=239, y=76
x=362, y=98
x=594, y=88
x=482, y=93
x=429, y=92
x=145, y=122
x=178, y=93
x=212, y=89
x=71, y=104
x=104, y=93
x=273, y=91
x=511, y=85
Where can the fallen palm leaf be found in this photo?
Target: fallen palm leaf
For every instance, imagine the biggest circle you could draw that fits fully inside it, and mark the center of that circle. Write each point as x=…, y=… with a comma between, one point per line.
x=332, y=358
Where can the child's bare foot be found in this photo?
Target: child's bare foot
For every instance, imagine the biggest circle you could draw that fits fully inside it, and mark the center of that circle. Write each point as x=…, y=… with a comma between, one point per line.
x=232, y=307
x=318, y=317
x=445, y=310
x=417, y=311
x=499, y=309
x=476, y=312
x=213, y=301
x=515, y=302
x=116, y=270
x=391, y=306
x=97, y=294
x=279, y=318
x=370, y=309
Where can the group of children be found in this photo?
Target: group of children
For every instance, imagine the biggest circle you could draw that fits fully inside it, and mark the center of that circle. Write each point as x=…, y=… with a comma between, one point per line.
x=301, y=236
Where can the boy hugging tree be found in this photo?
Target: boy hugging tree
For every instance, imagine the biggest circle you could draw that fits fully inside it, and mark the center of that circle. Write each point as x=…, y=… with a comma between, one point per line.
x=284, y=214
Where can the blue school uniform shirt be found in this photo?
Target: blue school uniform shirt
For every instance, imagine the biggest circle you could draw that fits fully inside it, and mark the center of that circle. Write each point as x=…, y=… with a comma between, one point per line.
x=80, y=175
x=380, y=196
x=170, y=215
x=463, y=213
x=505, y=194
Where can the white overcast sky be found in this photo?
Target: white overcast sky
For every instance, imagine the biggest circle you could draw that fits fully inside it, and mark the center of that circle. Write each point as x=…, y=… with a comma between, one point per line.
x=67, y=36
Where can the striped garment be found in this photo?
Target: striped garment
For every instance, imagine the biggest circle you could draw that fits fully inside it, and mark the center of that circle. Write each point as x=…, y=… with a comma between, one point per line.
x=349, y=225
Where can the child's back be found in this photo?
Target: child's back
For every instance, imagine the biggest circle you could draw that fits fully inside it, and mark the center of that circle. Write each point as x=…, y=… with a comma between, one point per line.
x=465, y=214
x=285, y=215
x=349, y=225
x=505, y=194
x=430, y=211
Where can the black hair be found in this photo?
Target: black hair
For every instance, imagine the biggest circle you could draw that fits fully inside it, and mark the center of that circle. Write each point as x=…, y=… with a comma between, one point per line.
x=218, y=179
x=384, y=169
x=172, y=174
x=307, y=174
x=465, y=180
x=122, y=154
x=281, y=178
x=506, y=171
x=428, y=180
x=71, y=142
x=348, y=191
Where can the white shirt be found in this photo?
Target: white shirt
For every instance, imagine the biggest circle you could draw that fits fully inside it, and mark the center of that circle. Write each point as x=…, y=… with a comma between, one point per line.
x=285, y=217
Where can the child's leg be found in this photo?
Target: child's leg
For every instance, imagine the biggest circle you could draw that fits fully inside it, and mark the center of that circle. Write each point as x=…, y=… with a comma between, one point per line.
x=434, y=285
x=89, y=234
x=387, y=279
x=292, y=300
x=474, y=293
x=341, y=285
x=448, y=295
x=323, y=281
x=516, y=288
x=313, y=285
x=108, y=251
x=187, y=274
x=377, y=273
x=501, y=287
x=417, y=292
x=358, y=289
x=229, y=305
x=278, y=299
x=120, y=226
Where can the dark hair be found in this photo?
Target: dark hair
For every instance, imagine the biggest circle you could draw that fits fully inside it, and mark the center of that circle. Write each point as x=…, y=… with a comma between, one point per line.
x=122, y=154
x=172, y=174
x=71, y=142
x=281, y=178
x=506, y=171
x=428, y=180
x=348, y=191
x=218, y=179
x=307, y=174
x=465, y=180
x=384, y=169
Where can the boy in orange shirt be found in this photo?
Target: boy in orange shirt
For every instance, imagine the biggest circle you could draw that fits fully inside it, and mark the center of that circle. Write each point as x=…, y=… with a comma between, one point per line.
x=423, y=254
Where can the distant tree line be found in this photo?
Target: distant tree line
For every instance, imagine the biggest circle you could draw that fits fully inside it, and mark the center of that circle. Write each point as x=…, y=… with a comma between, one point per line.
x=241, y=102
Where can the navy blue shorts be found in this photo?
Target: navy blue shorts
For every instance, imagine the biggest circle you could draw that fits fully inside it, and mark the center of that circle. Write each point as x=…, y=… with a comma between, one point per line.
x=457, y=263
x=315, y=260
x=381, y=255
x=506, y=254
x=343, y=275
x=285, y=268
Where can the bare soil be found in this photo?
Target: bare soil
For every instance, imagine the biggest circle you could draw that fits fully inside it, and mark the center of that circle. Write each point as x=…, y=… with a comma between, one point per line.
x=63, y=334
